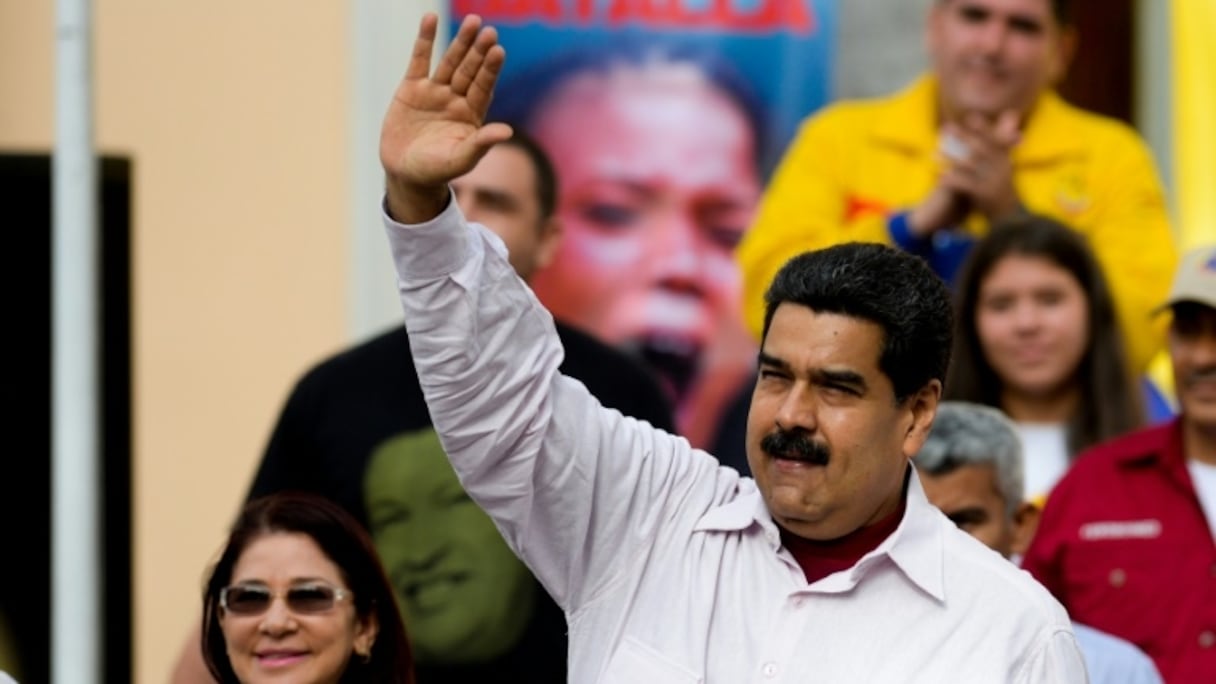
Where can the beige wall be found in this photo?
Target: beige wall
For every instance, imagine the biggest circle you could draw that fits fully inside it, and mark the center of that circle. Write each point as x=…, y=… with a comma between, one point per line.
x=234, y=115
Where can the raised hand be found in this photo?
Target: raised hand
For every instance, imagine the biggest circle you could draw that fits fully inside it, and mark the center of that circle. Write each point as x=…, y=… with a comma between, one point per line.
x=435, y=127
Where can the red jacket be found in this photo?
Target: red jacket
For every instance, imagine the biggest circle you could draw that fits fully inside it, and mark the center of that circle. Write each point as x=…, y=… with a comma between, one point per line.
x=1123, y=543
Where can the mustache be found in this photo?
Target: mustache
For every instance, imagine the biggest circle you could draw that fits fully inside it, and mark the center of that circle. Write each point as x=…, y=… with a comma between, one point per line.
x=1200, y=375
x=795, y=445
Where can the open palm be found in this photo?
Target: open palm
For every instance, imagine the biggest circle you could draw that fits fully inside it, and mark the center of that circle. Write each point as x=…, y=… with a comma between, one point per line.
x=435, y=127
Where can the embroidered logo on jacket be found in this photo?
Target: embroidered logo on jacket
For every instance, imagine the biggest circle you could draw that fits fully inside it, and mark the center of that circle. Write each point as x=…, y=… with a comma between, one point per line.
x=1070, y=194
x=1121, y=529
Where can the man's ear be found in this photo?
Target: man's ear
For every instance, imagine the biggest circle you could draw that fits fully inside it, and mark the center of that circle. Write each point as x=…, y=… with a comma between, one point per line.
x=1067, y=49
x=922, y=408
x=1025, y=524
x=550, y=240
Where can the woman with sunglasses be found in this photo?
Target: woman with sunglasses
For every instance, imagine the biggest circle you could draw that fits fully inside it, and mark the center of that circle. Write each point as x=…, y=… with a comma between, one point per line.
x=1036, y=336
x=299, y=595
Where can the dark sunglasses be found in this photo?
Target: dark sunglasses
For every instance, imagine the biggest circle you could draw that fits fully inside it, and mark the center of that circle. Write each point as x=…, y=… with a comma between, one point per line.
x=305, y=598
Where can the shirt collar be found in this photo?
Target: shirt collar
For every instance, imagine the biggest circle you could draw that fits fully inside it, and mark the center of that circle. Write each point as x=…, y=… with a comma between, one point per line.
x=744, y=510
x=909, y=120
x=916, y=546
x=1159, y=447
x=1049, y=133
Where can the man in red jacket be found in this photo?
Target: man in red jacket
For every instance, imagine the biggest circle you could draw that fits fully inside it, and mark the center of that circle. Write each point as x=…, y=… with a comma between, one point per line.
x=1126, y=538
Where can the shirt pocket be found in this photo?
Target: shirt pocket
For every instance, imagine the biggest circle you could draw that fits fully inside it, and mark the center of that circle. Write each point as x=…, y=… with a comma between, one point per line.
x=636, y=663
x=1116, y=587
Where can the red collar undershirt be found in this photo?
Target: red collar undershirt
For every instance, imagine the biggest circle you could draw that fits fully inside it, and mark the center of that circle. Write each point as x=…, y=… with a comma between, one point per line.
x=818, y=559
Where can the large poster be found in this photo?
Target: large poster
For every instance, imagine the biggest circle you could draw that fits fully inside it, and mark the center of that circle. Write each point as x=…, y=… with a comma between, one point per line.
x=663, y=119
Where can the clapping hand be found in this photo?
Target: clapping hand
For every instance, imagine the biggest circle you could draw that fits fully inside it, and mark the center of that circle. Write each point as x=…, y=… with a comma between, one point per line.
x=978, y=176
x=984, y=173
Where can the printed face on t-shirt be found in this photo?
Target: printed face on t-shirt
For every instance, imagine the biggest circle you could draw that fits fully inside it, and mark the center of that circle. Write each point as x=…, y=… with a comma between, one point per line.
x=464, y=595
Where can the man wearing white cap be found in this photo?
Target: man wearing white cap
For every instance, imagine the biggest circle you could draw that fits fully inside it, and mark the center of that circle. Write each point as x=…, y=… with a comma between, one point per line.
x=1126, y=539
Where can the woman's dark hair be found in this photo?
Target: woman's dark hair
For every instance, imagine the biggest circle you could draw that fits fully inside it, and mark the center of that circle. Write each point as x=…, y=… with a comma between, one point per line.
x=1110, y=398
x=348, y=546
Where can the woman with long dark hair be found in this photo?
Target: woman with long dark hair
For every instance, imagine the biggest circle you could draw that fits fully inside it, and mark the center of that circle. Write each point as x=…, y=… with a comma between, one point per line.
x=1036, y=335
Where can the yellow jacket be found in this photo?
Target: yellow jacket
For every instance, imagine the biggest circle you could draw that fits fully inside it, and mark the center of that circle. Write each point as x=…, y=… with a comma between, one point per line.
x=855, y=164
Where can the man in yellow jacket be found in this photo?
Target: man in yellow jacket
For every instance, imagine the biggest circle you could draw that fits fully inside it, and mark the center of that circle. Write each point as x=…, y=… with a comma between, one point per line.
x=981, y=137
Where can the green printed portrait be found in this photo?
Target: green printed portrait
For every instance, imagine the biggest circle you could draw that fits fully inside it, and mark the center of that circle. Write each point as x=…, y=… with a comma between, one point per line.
x=463, y=593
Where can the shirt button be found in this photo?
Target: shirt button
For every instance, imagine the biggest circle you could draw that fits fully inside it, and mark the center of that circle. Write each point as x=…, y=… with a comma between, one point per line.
x=797, y=601
x=1118, y=577
x=770, y=670
x=1206, y=639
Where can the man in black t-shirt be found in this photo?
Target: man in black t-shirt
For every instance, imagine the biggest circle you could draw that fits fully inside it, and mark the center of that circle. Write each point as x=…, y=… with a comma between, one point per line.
x=356, y=429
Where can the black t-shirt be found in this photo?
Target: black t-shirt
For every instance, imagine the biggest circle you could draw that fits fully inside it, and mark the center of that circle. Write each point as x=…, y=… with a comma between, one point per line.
x=342, y=409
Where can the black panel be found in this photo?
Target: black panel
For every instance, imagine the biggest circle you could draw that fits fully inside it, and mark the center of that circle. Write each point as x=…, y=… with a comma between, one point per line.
x=25, y=490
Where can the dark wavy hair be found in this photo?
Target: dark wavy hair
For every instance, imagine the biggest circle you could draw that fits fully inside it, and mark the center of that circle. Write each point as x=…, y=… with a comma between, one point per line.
x=1110, y=403
x=347, y=545
x=884, y=285
x=546, y=177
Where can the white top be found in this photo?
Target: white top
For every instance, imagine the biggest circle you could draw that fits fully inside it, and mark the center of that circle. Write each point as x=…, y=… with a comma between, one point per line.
x=667, y=565
x=1045, y=451
x=1111, y=660
x=1203, y=477
x=5, y=679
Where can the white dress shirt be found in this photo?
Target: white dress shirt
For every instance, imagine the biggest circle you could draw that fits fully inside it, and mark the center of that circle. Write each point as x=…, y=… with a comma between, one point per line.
x=1203, y=478
x=668, y=566
x=1045, y=450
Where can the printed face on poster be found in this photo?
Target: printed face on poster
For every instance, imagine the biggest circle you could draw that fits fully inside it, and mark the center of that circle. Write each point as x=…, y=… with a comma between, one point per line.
x=663, y=119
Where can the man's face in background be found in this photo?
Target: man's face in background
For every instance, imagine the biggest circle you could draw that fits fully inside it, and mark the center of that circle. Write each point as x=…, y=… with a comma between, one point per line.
x=501, y=194
x=969, y=496
x=1192, y=347
x=995, y=55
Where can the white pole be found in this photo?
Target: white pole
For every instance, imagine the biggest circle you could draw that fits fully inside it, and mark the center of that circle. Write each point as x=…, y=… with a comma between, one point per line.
x=75, y=558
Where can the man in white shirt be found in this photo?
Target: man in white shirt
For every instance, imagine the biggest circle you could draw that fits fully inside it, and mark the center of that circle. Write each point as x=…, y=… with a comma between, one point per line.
x=831, y=566
x=971, y=469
